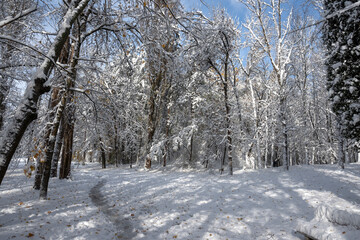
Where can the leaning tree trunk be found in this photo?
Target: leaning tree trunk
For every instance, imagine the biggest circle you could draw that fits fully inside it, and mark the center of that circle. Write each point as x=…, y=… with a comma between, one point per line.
x=54, y=100
x=26, y=112
x=50, y=149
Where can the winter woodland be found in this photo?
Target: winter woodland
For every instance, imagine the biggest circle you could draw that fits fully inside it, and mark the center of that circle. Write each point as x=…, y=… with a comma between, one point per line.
x=148, y=86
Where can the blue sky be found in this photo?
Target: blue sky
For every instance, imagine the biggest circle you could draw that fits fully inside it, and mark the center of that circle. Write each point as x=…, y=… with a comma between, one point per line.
x=233, y=7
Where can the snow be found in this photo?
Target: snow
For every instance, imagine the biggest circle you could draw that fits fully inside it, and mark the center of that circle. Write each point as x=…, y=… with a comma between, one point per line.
x=356, y=118
x=331, y=223
x=123, y=203
x=337, y=216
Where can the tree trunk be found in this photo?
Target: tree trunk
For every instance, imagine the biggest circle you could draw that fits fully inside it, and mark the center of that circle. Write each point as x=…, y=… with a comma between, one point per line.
x=222, y=160
x=27, y=110
x=50, y=150
x=228, y=122
x=155, y=85
x=38, y=174
x=340, y=155
x=4, y=89
x=116, y=147
x=255, y=122
x=284, y=133
x=103, y=155
x=54, y=100
x=65, y=165
x=69, y=111
x=56, y=155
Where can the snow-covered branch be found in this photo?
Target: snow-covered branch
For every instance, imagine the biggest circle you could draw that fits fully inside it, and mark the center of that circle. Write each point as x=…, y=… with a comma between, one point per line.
x=10, y=19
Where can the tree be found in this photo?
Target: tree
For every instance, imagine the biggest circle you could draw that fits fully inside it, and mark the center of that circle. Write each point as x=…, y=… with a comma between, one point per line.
x=13, y=24
x=160, y=40
x=342, y=39
x=268, y=31
x=27, y=110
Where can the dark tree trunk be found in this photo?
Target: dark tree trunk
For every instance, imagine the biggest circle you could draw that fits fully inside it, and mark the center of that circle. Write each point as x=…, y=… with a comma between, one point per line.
x=341, y=153
x=191, y=149
x=166, y=122
x=155, y=85
x=69, y=111
x=65, y=165
x=103, y=155
x=228, y=131
x=222, y=164
x=285, y=144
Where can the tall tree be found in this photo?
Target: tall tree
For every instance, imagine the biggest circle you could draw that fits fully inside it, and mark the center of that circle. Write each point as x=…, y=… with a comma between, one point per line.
x=160, y=40
x=27, y=110
x=269, y=31
x=342, y=39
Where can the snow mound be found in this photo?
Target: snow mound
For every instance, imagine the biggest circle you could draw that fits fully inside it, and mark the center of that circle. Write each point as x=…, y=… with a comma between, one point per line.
x=340, y=217
x=331, y=224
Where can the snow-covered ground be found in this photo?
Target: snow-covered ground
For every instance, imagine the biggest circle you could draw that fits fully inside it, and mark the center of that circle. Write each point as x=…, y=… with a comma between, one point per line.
x=122, y=203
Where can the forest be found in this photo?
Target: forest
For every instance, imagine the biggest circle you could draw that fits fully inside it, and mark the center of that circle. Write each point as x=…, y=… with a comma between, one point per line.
x=151, y=85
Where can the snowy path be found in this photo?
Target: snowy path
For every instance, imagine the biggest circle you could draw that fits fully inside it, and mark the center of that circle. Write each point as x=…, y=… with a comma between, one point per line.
x=122, y=225
x=119, y=203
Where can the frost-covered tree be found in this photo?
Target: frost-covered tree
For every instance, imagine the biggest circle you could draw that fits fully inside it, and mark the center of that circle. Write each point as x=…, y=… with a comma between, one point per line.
x=16, y=19
x=268, y=27
x=342, y=39
x=160, y=38
x=27, y=110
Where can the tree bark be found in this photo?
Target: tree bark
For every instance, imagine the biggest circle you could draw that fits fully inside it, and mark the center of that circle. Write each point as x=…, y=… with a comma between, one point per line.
x=50, y=150
x=54, y=100
x=38, y=174
x=341, y=154
x=102, y=152
x=27, y=110
x=255, y=122
x=57, y=149
x=284, y=133
x=65, y=166
x=4, y=89
x=69, y=111
x=228, y=131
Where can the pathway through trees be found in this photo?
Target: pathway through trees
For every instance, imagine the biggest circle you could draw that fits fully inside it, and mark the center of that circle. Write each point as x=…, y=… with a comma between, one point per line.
x=122, y=225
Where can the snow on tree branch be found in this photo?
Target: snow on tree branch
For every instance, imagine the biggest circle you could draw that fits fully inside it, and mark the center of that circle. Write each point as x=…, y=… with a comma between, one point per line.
x=22, y=14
